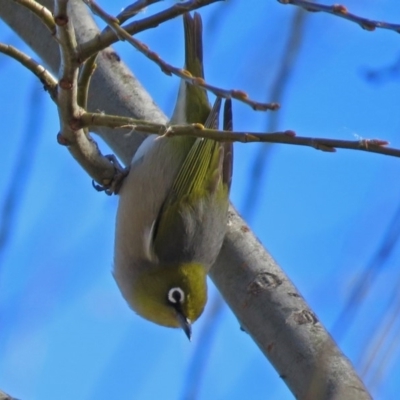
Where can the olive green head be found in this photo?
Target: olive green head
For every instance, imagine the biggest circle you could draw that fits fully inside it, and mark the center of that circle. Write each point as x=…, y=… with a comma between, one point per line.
x=169, y=295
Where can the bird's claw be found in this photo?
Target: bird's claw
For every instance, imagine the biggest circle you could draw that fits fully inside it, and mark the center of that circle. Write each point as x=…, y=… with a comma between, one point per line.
x=115, y=184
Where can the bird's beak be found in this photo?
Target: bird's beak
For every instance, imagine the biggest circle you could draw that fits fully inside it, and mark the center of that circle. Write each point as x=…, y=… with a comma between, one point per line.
x=185, y=324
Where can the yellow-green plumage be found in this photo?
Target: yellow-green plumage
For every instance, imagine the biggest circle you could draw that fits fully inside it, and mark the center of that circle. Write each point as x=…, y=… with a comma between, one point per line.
x=153, y=286
x=172, y=214
x=197, y=106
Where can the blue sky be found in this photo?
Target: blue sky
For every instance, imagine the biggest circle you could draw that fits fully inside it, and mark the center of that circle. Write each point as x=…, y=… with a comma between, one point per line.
x=65, y=330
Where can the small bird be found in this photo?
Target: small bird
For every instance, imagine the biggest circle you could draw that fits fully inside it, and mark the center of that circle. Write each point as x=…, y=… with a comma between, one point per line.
x=173, y=208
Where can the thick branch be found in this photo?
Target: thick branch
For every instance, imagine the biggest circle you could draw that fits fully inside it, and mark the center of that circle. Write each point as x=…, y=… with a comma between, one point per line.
x=273, y=312
x=5, y=396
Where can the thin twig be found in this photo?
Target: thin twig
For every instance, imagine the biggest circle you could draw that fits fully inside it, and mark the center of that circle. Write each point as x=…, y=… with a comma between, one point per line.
x=114, y=121
x=85, y=76
x=49, y=82
x=198, y=130
x=342, y=12
x=40, y=11
x=171, y=70
x=133, y=9
x=108, y=38
x=129, y=12
x=286, y=137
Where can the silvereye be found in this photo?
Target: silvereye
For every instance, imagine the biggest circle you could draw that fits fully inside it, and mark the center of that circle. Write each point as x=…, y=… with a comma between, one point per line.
x=173, y=206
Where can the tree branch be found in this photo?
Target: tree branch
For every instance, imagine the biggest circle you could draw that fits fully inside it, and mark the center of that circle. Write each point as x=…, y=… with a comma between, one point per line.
x=168, y=69
x=198, y=130
x=5, y=396
x=41, y=12
x=48, y=80
x=342, y=12
x=108, y=37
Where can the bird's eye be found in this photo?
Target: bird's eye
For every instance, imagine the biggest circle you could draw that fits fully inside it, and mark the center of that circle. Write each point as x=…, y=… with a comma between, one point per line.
x=176, y=295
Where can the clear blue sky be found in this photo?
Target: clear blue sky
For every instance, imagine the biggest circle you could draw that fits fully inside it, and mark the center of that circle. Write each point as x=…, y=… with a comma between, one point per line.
x=66, y=332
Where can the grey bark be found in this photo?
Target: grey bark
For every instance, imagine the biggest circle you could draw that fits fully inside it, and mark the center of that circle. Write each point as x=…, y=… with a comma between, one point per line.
x=5, y=396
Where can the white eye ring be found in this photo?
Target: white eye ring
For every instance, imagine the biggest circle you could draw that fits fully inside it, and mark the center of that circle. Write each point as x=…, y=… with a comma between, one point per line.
x=176, y=295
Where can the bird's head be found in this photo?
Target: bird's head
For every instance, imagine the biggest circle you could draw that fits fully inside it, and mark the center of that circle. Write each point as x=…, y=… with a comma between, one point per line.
x=172, y=296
